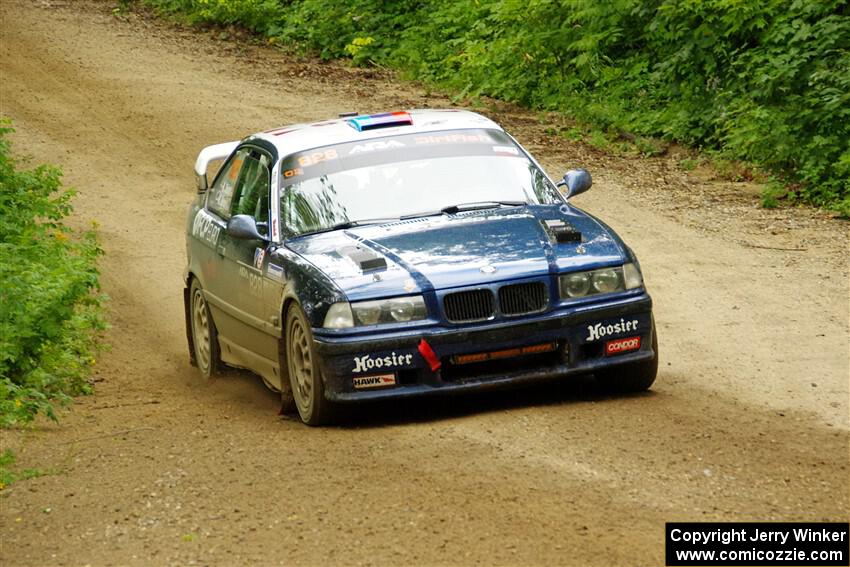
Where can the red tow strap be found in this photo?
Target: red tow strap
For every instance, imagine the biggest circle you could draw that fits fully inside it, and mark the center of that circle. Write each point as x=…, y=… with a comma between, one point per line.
x=429, y=355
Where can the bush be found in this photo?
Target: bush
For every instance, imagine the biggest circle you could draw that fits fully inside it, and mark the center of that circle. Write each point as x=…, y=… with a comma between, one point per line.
x=49, y=310
x=767, y=82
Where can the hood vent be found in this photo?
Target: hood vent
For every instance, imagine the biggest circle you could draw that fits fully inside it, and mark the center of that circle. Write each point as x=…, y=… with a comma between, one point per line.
x=561, y=231
x=365, y=259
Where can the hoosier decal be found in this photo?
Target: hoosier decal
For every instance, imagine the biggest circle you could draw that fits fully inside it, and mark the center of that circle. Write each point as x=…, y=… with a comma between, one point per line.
x=366, y=362
x=599, y=330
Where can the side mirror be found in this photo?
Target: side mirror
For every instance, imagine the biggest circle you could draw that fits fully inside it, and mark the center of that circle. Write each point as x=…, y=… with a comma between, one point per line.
x=201, y=181
x=576, y=181
x=243, y=227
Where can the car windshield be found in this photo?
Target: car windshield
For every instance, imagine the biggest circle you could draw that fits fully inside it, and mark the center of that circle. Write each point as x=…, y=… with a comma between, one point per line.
x=418, y=174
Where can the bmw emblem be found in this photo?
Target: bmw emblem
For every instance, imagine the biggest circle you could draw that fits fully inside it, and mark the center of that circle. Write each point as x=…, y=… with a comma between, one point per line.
x=488, y=269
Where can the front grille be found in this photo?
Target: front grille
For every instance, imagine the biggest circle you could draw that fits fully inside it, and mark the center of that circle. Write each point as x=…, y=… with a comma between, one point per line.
x=519, y=299
x=467, y=306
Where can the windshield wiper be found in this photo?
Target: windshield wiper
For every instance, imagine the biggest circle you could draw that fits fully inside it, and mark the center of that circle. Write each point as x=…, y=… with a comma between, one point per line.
x=474, y=206
x=350, y=224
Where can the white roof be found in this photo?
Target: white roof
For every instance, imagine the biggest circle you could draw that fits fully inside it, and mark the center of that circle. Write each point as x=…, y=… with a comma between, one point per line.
x=299, y=137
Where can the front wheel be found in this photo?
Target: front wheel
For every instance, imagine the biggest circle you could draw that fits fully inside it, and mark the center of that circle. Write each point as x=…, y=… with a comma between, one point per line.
x=632, y=377
x=204, y=334
x=305, y=376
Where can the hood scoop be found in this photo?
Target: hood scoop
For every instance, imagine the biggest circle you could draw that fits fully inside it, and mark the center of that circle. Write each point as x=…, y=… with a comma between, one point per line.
x=365, y=259
x=560, y=231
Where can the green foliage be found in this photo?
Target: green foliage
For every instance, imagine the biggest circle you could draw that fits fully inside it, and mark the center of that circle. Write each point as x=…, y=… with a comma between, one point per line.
x=49, y=310
x=771, y=195
x=688, y=164
x=766, y=82
x=8, y=475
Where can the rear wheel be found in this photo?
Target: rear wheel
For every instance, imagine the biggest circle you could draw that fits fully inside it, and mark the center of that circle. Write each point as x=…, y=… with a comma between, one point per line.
x=204, y=334
x=305, y=376
x=632, y=377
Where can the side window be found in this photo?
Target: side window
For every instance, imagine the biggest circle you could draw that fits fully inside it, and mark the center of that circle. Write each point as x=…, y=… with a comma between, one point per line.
x=220, y=196
x=252, y=191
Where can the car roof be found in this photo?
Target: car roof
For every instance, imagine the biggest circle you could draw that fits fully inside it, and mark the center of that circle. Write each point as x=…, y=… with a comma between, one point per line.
x=299, y=137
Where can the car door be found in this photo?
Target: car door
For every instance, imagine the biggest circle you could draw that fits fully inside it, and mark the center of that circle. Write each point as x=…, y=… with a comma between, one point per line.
x=208, y=229
x=247, y=335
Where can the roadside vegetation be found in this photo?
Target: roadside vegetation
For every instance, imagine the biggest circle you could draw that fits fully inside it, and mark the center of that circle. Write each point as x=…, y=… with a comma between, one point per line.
x=763, y=82
x=10, y=474
x=50, y=305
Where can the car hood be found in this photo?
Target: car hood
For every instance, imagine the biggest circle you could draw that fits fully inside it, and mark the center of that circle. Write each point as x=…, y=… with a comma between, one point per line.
x=449, y=251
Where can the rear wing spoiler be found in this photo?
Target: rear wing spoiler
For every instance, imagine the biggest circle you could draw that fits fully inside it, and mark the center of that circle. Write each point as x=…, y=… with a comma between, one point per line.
x=207, y=155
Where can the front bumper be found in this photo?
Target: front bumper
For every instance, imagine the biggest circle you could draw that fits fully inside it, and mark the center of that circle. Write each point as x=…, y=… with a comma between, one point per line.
x=577, y=338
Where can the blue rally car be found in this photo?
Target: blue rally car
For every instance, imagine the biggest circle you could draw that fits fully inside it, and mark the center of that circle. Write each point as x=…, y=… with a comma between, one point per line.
x=403, y=254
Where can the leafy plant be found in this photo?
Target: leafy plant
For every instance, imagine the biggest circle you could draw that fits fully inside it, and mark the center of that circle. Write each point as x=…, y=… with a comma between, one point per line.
x=50, y=309
x=765, y=82
x=7, y=473
x=688, y=164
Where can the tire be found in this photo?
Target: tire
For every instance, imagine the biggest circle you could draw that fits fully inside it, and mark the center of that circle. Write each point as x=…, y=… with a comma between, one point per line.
x=287, y=399
x=204, y=334
x=632, y=377
x=305, y=375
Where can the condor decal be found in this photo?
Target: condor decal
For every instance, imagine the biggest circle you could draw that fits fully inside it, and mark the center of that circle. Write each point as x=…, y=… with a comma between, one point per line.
x=622, y=345
x=377, y=381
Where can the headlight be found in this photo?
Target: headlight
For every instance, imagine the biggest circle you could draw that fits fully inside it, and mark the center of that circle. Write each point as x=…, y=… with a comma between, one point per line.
x=402, y=311
x=339, y=316
x=396, y=310
x=607, y=280
x=604, y=280
x=367, y=313
x=575, y=285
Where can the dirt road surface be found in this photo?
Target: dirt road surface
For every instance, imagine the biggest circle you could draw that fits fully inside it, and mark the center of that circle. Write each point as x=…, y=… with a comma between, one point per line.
x=748, y=419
